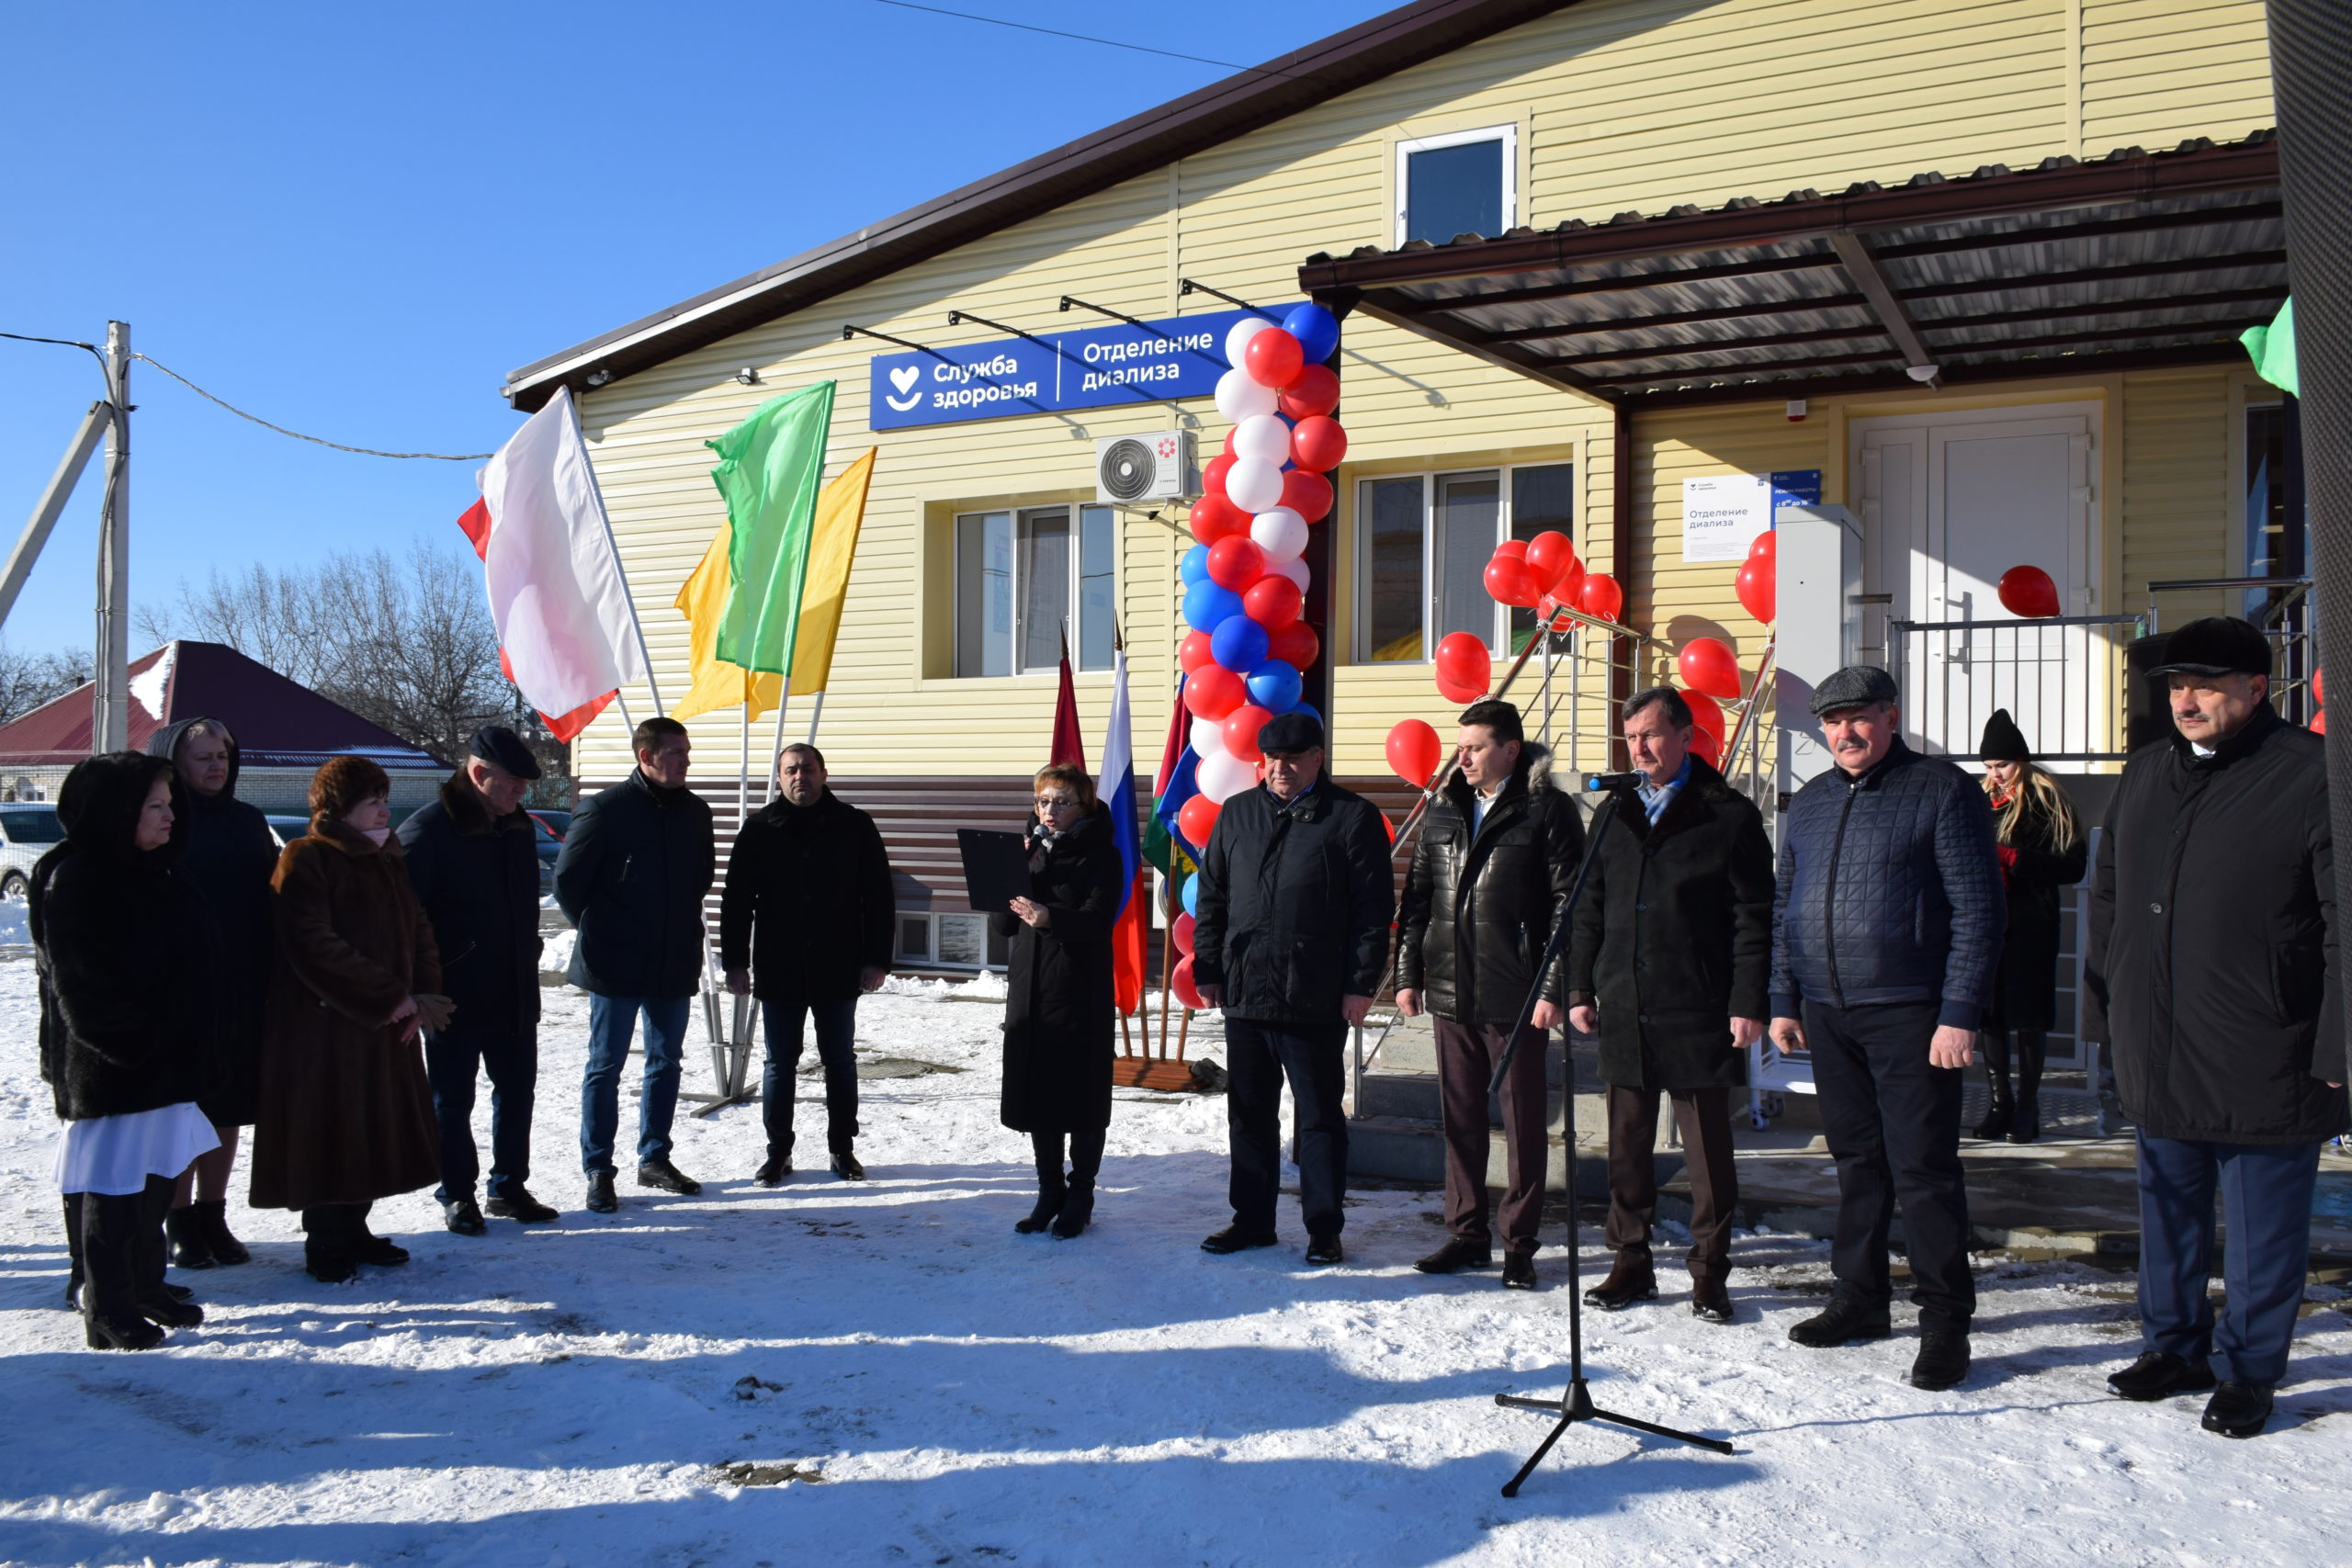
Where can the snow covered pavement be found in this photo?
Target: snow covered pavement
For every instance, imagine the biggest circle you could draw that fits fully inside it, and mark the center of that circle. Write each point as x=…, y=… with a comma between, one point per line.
x=914, y=1384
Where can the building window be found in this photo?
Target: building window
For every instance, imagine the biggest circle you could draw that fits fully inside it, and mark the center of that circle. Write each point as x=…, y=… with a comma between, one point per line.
x=1466, y=183
x=1022, y=581
x=955, y=941
x=1423, y=541
x=2275, y=534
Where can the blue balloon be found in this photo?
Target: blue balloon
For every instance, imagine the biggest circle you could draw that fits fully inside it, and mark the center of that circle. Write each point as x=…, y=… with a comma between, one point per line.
x=1273, y=685
x=1194, y=566
x=1209, y=605
x=1310, y=710
x=1237, y=642
x=1316, y=330
x=1192, y=893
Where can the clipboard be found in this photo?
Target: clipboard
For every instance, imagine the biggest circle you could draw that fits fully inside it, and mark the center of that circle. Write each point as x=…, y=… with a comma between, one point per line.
x=996, y=869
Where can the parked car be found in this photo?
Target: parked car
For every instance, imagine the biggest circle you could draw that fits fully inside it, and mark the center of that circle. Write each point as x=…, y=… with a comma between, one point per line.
x=25, y=832
x=557, y=822
x=287, y=829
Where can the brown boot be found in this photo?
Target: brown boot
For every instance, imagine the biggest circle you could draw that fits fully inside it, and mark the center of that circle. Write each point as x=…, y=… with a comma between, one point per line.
x=1630, y=1280
x=1709, y=1302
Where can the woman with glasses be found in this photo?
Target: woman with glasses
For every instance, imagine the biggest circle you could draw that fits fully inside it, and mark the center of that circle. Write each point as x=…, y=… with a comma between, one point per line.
x=1058, y=1011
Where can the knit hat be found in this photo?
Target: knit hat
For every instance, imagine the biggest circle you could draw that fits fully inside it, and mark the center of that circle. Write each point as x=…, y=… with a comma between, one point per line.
x=2004, y=741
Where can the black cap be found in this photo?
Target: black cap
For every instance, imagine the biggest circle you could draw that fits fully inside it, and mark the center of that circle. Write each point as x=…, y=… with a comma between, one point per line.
x=2217, y=645
x=496, y=743
x=1855, y=686
x=2004, y=741
x=1289, y=733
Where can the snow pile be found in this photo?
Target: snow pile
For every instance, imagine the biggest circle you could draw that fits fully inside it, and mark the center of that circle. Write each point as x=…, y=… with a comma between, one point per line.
x=15, y=930
x=987, y=986
x=555, y=950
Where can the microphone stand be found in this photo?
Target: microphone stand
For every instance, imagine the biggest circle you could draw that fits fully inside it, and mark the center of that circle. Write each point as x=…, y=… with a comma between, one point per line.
x=1576, y=1404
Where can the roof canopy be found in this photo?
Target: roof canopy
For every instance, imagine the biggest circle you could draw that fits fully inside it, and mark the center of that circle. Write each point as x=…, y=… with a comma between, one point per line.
x=277, y=723
x=2072, y=268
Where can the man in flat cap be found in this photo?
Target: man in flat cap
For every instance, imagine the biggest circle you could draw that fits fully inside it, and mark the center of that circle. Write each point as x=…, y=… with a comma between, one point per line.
x=473, y=859
x=1886, y=935
x=1290, y=940
x=633, y=870
x=2213, y=974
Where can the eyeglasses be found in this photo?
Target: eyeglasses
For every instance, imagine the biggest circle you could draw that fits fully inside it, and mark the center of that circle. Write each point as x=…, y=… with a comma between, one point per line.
x=1055, y=802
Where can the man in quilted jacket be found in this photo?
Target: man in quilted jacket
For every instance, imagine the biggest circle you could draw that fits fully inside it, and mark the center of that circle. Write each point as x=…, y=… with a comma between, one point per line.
x=1887, y=934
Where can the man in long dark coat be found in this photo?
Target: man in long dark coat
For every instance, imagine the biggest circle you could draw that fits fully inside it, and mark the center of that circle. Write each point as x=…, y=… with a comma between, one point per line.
x=1670, y=965
x=2214, y=973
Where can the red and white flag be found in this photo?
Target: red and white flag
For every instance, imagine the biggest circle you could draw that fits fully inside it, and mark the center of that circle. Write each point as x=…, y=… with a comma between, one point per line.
x=567, y=636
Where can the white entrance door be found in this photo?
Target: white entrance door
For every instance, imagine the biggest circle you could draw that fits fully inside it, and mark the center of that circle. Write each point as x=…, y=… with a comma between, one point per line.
x=1948, y=505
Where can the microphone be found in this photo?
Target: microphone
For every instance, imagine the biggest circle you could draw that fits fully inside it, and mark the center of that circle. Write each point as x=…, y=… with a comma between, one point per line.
x=1596, y=783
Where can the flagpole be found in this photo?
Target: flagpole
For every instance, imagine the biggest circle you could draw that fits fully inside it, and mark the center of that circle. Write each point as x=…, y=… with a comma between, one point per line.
x=815, y=717
x=783, y=703
x=1167, y=979
x=636, y=621
x=743, y=760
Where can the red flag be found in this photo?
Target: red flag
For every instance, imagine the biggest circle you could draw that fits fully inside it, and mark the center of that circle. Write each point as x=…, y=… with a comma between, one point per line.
x=1180, y=735
x=566, y=727
x=1066, y=747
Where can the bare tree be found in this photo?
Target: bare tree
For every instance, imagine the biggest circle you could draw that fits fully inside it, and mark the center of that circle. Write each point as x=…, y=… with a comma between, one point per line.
x=28, y=680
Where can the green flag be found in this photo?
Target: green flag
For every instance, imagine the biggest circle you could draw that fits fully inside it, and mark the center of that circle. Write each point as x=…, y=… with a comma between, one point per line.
x=2273, y=348
x=770, y=469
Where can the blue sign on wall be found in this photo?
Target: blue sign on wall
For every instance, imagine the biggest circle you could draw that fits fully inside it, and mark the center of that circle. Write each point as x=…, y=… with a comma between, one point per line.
x=1797, y=487
x=1085, y=368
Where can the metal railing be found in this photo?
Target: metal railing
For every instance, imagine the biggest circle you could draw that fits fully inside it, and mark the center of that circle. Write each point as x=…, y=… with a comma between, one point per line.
x=2060, y=677
x=2288, y=615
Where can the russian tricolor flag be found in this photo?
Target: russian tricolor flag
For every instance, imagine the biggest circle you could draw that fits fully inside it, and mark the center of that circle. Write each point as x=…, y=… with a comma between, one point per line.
x=1115, y=781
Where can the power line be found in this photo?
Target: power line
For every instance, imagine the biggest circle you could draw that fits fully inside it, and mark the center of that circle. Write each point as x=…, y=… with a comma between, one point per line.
x=1081, y=38
x=337, y=445
x=62, y=343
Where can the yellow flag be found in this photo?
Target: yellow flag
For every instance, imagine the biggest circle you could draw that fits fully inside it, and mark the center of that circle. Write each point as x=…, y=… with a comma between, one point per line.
x=833, y=541
x=702, y=601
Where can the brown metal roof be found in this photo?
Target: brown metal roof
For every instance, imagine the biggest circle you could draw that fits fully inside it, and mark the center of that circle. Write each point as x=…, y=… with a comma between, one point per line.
x=1215, y=114
x=2072, y=267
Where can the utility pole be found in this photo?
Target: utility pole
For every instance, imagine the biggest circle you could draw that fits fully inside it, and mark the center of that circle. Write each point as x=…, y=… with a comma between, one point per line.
x=110, y=717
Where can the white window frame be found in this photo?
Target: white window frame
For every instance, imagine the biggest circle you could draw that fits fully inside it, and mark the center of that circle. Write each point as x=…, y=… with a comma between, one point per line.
x=929, y=957
x=1075, y=512
x=1508, y=134
x=1498, y=637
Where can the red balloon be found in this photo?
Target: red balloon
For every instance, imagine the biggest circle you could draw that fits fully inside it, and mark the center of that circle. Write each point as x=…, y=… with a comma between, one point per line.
x=1241, y=726
x=1515, y=549
x=1272, y=601
x=1213, y=690
x=1306, y=492
x=1600, y=597
x=1236, y=562
x=1228, y=443
x=1316, y=392
x=1195, y=818
x=1549, y=609
x=1549, y=556
x=2319, y=722
x=1757, y=585
x=1273, y=358
x=2027, y=590
x=1213, y=476
x=1705, y=716
x=1194, y=651
x=1570, y=583
x=1413, y=751
x=1295, y=645
x=1708, y=666
x=1213, y=518
x=1318, y=442
x=1180, y=980
x=2319, y=685
x=1765, y=547
x=1181, y=931
x=1463, y=663
x=1510, y=582
x=1460, y=696
x=1707, y=748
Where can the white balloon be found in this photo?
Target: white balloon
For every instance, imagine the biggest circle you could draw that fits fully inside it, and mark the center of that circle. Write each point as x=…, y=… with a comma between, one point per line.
x=1208, y=738
x=1293, y=568
x=1240, y=398
x=1253, y=484
x=1262, y=436
x=1225, y=775
x=1281, y=533
x=1237, y=341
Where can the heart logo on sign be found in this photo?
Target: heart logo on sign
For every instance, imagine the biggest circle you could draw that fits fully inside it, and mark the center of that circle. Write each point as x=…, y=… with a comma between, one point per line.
x=906, y=375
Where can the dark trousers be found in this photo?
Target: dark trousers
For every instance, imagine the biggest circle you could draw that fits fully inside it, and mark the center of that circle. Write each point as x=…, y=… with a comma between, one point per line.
x=117, y=1246
x=1257, y=1058
x=453, y=1061
x=1466, y=1054
x=334, y=1230
x=1704, y=1117
x=1085, y=1158
x=1893, y=1124
x=782, y=1022
x=2267, y=1202
x=611, y=1021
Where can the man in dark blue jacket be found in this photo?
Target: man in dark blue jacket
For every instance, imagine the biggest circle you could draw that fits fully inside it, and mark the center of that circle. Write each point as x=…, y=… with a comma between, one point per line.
x=1886, y=935
x=634, y=871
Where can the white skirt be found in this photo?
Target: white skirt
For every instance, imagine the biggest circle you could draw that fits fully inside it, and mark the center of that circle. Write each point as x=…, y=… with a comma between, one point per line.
x=115, y=1155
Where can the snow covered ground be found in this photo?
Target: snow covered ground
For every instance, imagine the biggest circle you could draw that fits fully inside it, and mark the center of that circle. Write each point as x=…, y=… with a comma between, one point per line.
x=919, y=1385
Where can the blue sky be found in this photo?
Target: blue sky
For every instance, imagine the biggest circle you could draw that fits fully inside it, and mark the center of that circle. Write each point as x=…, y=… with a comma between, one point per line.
x=354, y=220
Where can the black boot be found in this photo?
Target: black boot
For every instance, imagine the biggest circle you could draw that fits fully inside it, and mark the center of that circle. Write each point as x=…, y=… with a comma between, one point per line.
x=2032, y=1047
x=74, y=1252
x=1077, y=1208
x=212, y=1223
x=1999, y=1120
x=1045, y=1148
x=191, y=1247
x=1631, y=1278
x=111, y=1260
x=328, y=1242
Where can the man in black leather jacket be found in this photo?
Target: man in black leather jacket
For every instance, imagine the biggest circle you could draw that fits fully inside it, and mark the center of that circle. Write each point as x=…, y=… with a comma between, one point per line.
x=1886, y=935
x=1291, y=936
x=1496, y=857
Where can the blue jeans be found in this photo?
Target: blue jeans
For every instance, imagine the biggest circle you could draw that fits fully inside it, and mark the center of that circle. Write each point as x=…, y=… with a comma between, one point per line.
x=611, y=1021
x=782, y=1022
x=2267, y=1202
x=453, y=1061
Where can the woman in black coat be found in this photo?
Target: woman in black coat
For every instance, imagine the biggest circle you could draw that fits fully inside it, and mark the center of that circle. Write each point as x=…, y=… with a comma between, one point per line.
x=2042, y=852
x=128, y=1036
x=227, y=854
x=1060, y=1003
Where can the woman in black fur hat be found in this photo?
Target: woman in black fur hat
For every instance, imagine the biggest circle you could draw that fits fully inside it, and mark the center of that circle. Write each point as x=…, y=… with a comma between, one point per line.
x=2042, y=851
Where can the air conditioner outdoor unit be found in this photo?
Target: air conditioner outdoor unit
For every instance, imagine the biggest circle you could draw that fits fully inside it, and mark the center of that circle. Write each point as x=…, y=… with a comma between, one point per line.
x=1134, y=470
